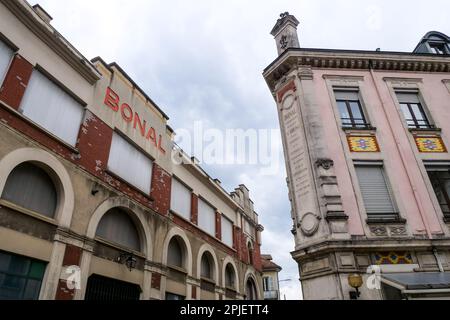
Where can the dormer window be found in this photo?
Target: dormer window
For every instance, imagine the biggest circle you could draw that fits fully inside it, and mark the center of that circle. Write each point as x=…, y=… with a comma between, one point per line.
x=438, y=48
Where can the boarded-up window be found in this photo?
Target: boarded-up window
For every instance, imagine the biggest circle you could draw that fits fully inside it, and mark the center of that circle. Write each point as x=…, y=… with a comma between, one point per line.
x=207, y=266
x=206, y=217
x=230, y=277
x=175, y=253
x=52, y=108
x=117, y=227
x=5, y=59
x=227, y=231
x=30, y=187
x=130, y=164
x=181, y=198
x=376, y=191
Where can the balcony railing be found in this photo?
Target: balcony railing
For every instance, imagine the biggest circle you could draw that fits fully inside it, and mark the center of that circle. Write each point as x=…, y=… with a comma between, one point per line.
x=271, y=295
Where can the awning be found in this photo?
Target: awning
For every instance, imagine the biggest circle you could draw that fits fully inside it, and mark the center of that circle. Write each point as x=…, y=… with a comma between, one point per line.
x=420, y=282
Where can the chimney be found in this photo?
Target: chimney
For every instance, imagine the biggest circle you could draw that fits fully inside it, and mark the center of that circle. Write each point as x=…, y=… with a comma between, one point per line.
x=42, y=13
x=285, y=32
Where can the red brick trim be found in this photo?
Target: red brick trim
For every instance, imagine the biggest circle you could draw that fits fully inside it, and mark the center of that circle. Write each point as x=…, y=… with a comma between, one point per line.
x=64, y=293
x=194, y=209
x=16, y=81
x=156, y=281
x=218, y=225
x=161, y=188
x=194, y=292
x=289, y=87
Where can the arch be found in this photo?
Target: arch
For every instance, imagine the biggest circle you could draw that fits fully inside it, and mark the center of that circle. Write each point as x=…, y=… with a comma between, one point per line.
x=229, y=261
x=177, y=232
x=138, y=217
x=250, y=251
x=63, y=183
x=250, y=275
x=203, y=249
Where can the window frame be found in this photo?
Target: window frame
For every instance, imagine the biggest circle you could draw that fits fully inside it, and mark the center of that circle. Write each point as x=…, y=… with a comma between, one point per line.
x=353, y=121
x=174, y=177
x=434, y=168
x=431, y=124
x=378, y=217
x=441, y=46
x=224, y=217
x=214, y=234
x=14, y=50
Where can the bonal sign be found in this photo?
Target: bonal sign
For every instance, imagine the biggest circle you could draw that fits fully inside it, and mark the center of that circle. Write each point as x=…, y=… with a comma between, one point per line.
x=112, y=100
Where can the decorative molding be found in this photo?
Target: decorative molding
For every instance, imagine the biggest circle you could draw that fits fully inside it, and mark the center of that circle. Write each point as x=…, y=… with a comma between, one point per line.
x=430, y=144
x=305, y=73
x=309, y=224
x=363, y=143
x=398, y=231
x=327, y=164
x=379, y=231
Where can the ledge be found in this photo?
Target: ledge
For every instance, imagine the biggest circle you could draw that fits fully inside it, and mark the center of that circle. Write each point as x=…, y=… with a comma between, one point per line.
x=333, y=216
x=28, y=212
x=368, y=129
x=428, y=130
x=386, y=220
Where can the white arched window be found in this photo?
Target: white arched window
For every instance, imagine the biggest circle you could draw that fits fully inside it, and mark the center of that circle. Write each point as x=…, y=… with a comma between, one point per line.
x=30, y=187
x=117, y=227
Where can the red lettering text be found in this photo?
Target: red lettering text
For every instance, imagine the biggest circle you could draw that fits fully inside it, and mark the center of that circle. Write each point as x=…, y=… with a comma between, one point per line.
x=112, y=99
x=124, y=110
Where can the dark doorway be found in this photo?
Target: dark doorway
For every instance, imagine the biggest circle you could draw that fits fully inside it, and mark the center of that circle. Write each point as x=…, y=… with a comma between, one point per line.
x=105, y=289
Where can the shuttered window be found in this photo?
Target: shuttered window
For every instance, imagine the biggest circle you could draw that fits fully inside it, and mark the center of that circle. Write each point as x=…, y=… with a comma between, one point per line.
x=130, y=164
x=181, y=198
x=375, y=190
x=227, y=232
x=5, y=59
x=206, y=217
x=52, y=108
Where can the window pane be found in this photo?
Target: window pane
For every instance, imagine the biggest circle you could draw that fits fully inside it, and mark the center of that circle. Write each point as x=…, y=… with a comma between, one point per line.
x=440, y=181
x=206, y=218
x=30, y=187
x=130, y=164
x=406, y=112
x=5, y=59
x=375, y=190
x=345, y=115
x=417, y=110
x=16, y=282
x=116, y=226
x=52, y=108
x=175, y=254
x=181, y=198
x=356, y=110
x=227, y=232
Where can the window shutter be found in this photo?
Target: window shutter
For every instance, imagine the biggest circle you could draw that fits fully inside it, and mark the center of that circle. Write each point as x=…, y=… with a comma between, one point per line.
x=52, y=108
x=347, y=95
x=227, y=232
x=5, y=58
x=206, y=218
x=408, y=97
x=130, y=164
x=181, y=198
x=375, y=190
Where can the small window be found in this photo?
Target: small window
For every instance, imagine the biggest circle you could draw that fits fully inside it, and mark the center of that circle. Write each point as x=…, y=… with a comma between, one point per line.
x=230, y=277
x=376, y=192
x=181, y=198
x=250, y=290
x=49, y=106
x=207, y=266
x=268, y=284
x=6, y=55
x=30, y=187
x=175, y=255
x=438, y=48
x=117, y=227
x=250, y=252
x=206, y=217
x=227, y=232
x=350, y=109
x=413, y=111
x=20, y=277
x=440, y=180
x=176, y=297
x=129, y=163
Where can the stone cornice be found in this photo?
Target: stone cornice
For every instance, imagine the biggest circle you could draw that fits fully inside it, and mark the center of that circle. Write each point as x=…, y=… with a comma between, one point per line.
x=25, y=13
x=353, y=60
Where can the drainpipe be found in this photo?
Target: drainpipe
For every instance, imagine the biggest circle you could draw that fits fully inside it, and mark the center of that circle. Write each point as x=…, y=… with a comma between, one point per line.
x=424, y=220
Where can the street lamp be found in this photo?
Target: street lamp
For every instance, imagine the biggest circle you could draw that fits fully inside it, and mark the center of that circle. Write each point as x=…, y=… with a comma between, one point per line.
x=355, y=281
x=129, y=260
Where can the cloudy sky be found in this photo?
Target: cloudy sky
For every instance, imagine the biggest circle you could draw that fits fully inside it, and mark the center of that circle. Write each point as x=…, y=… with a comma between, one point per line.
x=202, y=60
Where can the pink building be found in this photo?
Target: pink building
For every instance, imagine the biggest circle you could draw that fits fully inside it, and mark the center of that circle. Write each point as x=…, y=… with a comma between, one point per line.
x=366, y=137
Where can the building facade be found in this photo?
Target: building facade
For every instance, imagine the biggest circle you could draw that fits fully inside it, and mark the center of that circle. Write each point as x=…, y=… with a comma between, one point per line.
x=366, y=138
x=271, y=280
x=96, y=200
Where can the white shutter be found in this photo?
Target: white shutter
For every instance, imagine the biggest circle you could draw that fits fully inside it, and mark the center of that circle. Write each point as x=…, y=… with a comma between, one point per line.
x=5, y=59
x=52, y=108
x=180, y=201
x=130, y=164
x=375, y=190
x=227, y=232
x=206, y=218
